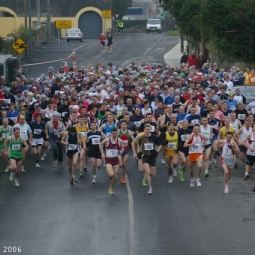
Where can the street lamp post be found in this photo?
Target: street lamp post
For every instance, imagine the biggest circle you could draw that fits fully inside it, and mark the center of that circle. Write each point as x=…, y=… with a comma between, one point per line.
x=30, y=30
x=48, y=20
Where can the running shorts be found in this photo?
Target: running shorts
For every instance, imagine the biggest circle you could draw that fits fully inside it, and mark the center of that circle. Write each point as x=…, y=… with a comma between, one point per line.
x=250, y=160
x=193, y=157
x=230, y=163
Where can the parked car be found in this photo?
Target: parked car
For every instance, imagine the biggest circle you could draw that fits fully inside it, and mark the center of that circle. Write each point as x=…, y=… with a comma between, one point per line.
x=74, y=34
x=153, y=25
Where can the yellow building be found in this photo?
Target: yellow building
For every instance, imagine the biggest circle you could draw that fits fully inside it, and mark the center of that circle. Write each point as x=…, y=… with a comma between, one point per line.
x=89, y=19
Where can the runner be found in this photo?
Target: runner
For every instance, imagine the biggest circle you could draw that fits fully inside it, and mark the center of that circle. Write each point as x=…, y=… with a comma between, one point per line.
x=229, y=148
x=54, y=130
x=249, y=143
x=94, y=138
x=82, y=130
x=113, y=145
x=183, y=134
x=108, y=126
x=26, y=133
x=102, y=41
x=109, y=42
x=206, y=131
x=148, y=142
x=37, y=127
x=126, y=137
x=170, y=138
x=195, y=142
x=70, y=139
x=17, y=145
x=5, y=132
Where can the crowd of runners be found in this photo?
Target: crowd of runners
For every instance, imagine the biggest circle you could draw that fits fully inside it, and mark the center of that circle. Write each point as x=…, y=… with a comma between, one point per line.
x=100, y=116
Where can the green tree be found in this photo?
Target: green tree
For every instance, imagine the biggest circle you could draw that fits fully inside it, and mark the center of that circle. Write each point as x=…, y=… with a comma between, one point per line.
x=227, y=26
x=120, y=7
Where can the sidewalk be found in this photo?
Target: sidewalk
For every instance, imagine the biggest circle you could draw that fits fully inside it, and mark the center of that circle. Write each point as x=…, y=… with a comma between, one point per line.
x=173, y=56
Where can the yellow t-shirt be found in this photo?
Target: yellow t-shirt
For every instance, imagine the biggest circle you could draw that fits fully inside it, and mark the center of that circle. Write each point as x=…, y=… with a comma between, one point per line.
x=82, y=131
x=224, y=132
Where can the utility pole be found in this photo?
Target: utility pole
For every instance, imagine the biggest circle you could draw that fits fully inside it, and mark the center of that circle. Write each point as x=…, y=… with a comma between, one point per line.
x=30, y=30
x=48, y=19
x=25, y=12
x=38, y=3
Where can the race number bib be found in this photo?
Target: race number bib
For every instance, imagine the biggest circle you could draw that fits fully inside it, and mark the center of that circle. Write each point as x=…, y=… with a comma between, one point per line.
x=152, y=129
x=111, y=153
x=124, y=143
x=5, y=135
x=253, y=145
x=108, y=134
x=196, y=147
x=55, y=131
x=16, y=147
x=253, y=110
x=171, y=145
x=83, y=134
x=184, y=137
x=14, y=119
x=72, y=147
x=95, y=141
x=148, y=146
x=241, y=116
x=37, y=131
x=195, y=121
x=23, y=132
x=207, y=142
x=137, y=123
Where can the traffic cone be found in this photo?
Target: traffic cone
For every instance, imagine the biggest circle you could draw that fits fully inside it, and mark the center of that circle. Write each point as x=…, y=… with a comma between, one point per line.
x=66, y=66
x=74, y=57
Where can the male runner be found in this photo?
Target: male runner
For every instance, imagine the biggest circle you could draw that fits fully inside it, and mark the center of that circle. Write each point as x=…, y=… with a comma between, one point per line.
x=17, y=145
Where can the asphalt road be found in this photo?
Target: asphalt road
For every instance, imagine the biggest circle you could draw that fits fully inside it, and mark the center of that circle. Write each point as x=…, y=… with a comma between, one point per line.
x=47, y=216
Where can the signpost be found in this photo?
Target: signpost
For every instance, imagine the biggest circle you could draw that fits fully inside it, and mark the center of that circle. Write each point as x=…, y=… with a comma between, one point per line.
x=107, y=14
x=19, y=46
x=62, y=24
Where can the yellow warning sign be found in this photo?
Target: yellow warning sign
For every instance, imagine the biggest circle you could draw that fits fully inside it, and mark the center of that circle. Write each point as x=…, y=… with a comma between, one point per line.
x=19, y=46
x=63, y=24
x=106, y=13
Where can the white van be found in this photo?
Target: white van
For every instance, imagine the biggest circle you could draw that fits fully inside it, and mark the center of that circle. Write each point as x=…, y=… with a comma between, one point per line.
x=153, y=25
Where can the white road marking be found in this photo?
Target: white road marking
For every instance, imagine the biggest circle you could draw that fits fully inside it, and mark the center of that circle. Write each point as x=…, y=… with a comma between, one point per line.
x=131, y=218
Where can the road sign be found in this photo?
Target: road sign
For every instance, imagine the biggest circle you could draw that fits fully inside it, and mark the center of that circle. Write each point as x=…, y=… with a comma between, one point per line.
x=106, y=13
x=63, y=24
x=19, y=46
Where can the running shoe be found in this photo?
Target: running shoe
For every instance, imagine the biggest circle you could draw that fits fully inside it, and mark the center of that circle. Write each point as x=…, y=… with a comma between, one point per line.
x=144, y=184
x=180, y=170
x=85, y=170
x=246, y=176
x=6, y=169
x=71, y=180
x=171, y=179
x=16, y=183
x=226, y=189
x=75, y=181
x=192, y=183
x=198, y=183
x=42, y=158
x=22, y=169
x=182, y=178
x=94, y=181
x=12, y=176
x=163, y=162
x=45, y=155
x=81, y=175
x=206, y=174
x=37, y=165
x=122, y=180
x=150, y=191
x=110, y=191
x=174, y=172
x=61, y=164
x=55, y=163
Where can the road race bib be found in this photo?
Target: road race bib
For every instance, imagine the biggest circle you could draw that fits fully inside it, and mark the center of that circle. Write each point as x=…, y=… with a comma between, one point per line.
x=148, y=146
x=124, y=143
x=55, y=131
x=95, y=141
x=252, y=79
x=14, y=119
x=16, y=147
x=111, y=153
x=137, y=123
x=37, y=131
x=108, y=134
x=207, y=142
x=184, y=137
x=23, y=132
x=241, y=116
x=152, y=129
x=253, y=145
x=171, y=145
x=5, y=135
x=72, y=147
x=195, y=121
x=196, y=147
x=83, y=134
